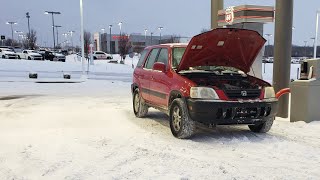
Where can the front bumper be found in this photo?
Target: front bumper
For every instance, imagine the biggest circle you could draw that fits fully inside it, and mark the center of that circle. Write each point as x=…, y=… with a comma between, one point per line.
x=11, y=56
x=231, y=112
x=36, y=57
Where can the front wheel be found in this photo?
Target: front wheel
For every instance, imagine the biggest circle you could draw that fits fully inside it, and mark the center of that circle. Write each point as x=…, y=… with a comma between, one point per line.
x=263, y=127
x=140, y=109
x=3, y=57
x=181, y=125
x=29, y=58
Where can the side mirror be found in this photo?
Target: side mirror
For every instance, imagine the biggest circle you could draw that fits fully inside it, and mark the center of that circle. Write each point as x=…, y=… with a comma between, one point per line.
x=159, y=66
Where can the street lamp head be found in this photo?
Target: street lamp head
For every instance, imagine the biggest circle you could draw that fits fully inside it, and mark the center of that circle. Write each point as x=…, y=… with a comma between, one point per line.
x=146, y=30
x=11, y=23
x=120, y=23
x=103, y=29
x=160, y=28
x=46, y=12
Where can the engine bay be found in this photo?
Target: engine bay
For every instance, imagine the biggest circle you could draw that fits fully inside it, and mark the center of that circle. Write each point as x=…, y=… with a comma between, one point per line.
x=225, y=81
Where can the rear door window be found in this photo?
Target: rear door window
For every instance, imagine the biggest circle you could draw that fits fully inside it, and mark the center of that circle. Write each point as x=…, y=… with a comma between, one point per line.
x=142, y=57
x=152, y=58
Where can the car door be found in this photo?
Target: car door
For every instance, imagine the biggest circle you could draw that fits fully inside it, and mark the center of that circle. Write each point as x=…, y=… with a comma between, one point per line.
x=160, y=83
x=147, y=72
x=24, y=54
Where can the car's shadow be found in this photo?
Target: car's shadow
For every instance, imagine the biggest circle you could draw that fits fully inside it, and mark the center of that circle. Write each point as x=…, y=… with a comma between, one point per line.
x=206, y=134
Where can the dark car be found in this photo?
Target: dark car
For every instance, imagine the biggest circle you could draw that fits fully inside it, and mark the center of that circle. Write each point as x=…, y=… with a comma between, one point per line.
x=206, y=82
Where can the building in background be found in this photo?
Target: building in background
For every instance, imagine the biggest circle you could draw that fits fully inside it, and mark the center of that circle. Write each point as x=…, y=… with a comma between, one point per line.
x=138, y=41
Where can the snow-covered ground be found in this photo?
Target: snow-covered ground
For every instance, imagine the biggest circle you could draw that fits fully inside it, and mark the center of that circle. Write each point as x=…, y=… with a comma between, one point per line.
x=88, y=131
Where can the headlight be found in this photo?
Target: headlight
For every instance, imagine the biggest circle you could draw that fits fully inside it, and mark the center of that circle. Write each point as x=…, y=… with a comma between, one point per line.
x=203, y=93
x=269, y=93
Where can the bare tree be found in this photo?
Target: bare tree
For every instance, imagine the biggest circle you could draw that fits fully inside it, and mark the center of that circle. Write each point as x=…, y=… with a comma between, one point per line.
x=87, y=42
x=204, y=30
x=31, y=40
x=124, y=47
x=10, y=42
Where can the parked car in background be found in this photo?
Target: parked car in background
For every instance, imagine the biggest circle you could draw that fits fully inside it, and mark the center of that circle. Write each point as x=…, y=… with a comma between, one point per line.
x=99, y=55
x=6, y=53
x=193, y=85
x=59, y=57
x=30, y=55
x=48, y=55
x=53, y=56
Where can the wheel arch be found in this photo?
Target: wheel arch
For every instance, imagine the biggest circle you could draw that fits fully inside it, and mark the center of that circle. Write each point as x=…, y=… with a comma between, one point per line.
x=174, y=94
x=134, y=86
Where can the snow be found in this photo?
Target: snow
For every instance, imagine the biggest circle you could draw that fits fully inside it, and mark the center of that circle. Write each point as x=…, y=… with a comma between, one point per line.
x=88, y=131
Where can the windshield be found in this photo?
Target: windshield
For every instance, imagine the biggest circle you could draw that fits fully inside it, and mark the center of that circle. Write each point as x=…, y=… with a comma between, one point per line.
x=177, y=54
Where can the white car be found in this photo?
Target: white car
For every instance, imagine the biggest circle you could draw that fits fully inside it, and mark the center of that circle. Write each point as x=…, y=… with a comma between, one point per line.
x=6, y=53
x=30, y=55
x=98, y=55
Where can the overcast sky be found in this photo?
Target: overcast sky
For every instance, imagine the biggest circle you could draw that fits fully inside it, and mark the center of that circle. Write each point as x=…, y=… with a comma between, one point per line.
x=182, y=17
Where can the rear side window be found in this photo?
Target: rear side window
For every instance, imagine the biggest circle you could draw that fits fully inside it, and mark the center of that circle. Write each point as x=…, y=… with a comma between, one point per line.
x=152, y=58
x=163, y=56
x=142, y=57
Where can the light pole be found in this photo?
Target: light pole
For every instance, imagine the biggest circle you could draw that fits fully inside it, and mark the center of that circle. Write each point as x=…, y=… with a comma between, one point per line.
x=52, y=13
x=316, y=37
x=11, y=24
x=160, y=28
x=145, y=36
x=82, y=38
x=151, y=38
x=269, y=48
x=110, y=27
x=71, y=36
x=57, y=27
x=28, y=17
x=103, y=40
x=120, y=25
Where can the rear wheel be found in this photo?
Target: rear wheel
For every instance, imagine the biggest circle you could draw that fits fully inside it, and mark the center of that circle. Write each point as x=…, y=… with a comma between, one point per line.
x=19, y=57
x=263, y=127
x=95, y=58
x=181, y=125
x=3, y=57
x=140, y=109
x=29, y=58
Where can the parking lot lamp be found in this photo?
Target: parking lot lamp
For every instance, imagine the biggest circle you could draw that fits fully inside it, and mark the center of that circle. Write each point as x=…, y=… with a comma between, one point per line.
x=160, y=29
x=120, y=25
x=11, y=24
x=52, y=13
x=145, y=36
x=110, y=27
x=316, y=37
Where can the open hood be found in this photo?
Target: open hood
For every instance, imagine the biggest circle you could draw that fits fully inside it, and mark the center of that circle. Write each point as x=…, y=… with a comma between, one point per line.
x=236, y=48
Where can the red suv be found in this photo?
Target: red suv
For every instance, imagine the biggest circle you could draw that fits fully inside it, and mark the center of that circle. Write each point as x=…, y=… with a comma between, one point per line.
x=205, y=81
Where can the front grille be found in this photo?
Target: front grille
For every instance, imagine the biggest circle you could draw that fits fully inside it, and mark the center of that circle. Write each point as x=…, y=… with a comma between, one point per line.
x=243, y=94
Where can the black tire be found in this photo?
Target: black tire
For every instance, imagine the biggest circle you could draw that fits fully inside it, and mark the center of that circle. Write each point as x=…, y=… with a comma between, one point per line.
x=29, y=58
x=185, y=127
x=19, y=57
x=140, y=109
x=95, y=58
x=263, y=127
x=3, y=57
